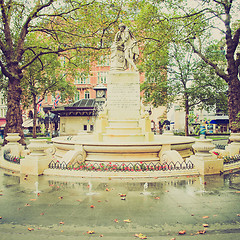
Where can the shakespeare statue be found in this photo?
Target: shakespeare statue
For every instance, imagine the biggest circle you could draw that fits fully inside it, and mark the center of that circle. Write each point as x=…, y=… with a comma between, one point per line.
x=124, y=51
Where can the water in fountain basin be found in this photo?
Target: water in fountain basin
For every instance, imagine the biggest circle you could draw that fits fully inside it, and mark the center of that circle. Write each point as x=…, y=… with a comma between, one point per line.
x=145, y=187
x=90, y=189
x=37, y=191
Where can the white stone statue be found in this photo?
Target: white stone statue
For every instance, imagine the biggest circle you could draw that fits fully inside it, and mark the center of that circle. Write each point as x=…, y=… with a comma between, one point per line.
x=124, y=51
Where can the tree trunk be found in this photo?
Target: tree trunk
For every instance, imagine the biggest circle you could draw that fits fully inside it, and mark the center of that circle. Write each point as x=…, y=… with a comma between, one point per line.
x=186, y=116
x=234, y=104
x=14, y=113
x=34, y=117
x=186, y=123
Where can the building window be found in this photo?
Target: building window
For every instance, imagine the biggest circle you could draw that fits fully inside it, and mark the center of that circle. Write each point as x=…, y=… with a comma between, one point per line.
x=53, y=97
x=77, y=96
x=91, y=128
x=62, y=61
x=102, y=77
x=87, y=94
x=85, y=127
x=104, y=61
x=82, y=79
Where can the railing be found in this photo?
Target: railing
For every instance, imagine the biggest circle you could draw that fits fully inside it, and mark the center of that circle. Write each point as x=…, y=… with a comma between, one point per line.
x=220, y=146
x=231, y=159
x=122, y=167
x=9, y=158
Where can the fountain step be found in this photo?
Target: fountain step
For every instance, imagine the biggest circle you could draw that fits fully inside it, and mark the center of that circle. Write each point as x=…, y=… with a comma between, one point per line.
x=123, y=130
x=135, y=137
x=123, y=123
x=123, y=157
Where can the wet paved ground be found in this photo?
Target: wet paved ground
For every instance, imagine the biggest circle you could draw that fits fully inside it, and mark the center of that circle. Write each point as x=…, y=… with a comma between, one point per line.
x=58, y=208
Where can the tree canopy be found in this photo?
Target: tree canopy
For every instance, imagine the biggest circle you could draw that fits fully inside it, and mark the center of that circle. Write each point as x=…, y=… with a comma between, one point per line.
x=75, y=28
x=198, y=25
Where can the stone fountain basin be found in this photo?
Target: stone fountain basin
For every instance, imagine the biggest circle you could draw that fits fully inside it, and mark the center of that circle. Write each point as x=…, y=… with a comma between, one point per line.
x=107, y=151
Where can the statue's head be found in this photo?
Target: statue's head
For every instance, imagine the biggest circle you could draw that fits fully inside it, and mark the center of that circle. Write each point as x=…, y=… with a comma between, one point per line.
x=122, y=26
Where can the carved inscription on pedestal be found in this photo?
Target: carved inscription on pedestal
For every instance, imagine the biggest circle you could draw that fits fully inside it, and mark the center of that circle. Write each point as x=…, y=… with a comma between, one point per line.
x=123, y=98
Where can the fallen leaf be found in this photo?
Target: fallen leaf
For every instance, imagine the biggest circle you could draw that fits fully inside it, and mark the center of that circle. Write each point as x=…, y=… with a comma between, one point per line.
x=92, y=206
x=101, y=235
x=90, y=232
x=42, y=214
x=157, y=198
x=115, y=220
x=107, y=189
x=27, y=205
x=38, y=194
x=127, y=221
x=205, y=217
x=30, y=229
x=33, y=200
x=99, y=200
x=201, y=232
x=182, y=232
x=61, y=223
x=140, y=236
x=79, y=200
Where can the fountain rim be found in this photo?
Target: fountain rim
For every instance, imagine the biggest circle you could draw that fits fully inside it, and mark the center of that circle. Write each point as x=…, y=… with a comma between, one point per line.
x=176, y=141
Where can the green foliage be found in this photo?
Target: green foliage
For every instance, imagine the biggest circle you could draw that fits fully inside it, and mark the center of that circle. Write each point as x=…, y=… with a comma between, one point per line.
x=236, y=123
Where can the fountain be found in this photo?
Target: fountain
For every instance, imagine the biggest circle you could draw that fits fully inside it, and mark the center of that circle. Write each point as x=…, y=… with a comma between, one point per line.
x=90, y=193
x=123, y=128
x=37, y=191
x=145, y=187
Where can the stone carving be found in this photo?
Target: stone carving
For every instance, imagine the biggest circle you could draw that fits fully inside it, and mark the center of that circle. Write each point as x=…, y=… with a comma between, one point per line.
x=171, y=156
x=124, y=51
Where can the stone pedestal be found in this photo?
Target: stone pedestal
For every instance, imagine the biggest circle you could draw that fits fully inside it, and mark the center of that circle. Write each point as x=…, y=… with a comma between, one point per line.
x=38, y=160
x=13, y=144
x=204, y=161
x=234, y=147
x=123, y=100
x=121, y=120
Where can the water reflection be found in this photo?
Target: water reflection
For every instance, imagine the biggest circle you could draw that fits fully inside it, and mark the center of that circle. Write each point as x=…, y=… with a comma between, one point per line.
x=149, y=204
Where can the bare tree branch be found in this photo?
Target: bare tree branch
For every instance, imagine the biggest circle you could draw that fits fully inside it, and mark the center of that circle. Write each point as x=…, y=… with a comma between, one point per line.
x=4, y=70
x=6, y=27
x=218, y=71
x=24, y=30
x=57, y=52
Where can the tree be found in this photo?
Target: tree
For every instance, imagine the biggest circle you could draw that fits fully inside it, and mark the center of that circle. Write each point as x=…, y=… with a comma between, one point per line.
x=194, y=23
x=43, y=77
x=218, y=14
x=78, y=27
x=190, y=82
